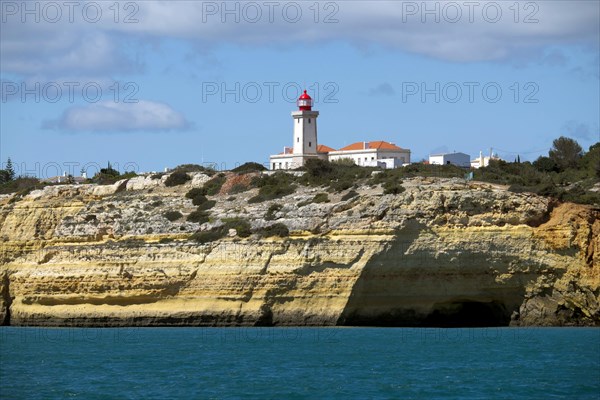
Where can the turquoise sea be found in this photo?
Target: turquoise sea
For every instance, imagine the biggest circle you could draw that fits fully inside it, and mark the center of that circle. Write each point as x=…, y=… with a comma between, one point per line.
x=297, y=363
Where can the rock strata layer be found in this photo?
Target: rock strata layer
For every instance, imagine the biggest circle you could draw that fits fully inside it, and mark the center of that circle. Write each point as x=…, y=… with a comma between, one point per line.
x=445, y=252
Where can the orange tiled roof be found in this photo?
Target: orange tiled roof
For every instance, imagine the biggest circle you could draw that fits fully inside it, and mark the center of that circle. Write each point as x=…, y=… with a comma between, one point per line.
x=378, y=144
x=324, y=149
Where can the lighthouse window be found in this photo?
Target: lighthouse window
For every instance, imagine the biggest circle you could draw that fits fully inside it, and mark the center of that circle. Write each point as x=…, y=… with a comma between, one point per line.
x=309, y=120
x=309, y=144
x=298, y=140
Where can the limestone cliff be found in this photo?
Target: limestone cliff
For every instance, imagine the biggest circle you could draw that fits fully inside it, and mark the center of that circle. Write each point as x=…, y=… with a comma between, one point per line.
x=445, y=252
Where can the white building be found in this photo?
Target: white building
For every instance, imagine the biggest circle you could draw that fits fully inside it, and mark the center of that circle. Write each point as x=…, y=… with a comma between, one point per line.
x=456, y=158
x=483, y=161
x=373, y=154
x=305, y=146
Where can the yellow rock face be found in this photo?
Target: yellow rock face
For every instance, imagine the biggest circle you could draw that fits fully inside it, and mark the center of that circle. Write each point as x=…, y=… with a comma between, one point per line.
x=443, y=253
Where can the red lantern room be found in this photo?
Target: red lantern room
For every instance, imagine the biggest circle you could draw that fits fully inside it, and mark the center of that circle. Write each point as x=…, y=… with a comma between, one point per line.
x=304, y=102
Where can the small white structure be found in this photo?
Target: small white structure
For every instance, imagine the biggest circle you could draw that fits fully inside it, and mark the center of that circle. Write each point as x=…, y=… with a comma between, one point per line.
x=456, y=158
x=483, y=161
x=369, y=154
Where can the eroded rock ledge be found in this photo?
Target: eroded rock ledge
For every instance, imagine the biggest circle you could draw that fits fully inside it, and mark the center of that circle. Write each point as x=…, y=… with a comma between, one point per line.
x=442, y=253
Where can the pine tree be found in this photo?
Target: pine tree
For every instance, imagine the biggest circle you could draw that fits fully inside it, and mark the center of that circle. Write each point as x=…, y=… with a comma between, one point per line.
x=10, y=169
x=518, y=159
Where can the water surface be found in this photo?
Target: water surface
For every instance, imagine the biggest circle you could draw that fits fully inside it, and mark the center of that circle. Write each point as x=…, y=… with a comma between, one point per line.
x=228, y=363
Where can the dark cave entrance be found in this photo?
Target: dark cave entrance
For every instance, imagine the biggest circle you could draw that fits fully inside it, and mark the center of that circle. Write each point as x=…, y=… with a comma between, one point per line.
x=468, y=314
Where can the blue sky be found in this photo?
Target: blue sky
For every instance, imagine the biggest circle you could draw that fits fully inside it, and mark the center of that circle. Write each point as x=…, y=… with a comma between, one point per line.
x=367, y=67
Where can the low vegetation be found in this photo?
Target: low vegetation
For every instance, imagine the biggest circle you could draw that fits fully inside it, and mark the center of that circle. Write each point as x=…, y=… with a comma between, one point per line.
x=277, y=229
x=249, y=167
x=337, y=176
x=318, y=198
x=273, y=186
x=273, y=209
x=214, y=185
x=198, y=216
x=172, y=215
x=22, y=186
x=241, y=226
x=177, y=178
x=195, y=168
x=566, y=174
x=242, y=229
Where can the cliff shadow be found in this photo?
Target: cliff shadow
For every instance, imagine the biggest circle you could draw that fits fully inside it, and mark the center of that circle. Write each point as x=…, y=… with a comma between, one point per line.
x=410, y=284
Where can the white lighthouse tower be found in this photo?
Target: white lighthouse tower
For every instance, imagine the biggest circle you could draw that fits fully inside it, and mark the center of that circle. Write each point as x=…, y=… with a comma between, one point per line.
x=305, y=137
x=305, y=127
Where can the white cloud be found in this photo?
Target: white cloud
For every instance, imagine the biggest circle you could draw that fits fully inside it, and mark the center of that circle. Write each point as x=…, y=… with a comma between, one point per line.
x=383, y=89
x=109, y=47
x=120, y=117
x=580, y=130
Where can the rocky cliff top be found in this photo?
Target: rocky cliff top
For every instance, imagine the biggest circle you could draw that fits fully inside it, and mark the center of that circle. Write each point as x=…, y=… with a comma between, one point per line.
x=539, y=258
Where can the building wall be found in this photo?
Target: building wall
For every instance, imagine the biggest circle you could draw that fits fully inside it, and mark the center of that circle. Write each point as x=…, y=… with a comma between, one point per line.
x=477, y=163
x=292, y=161
x=305, y=132
x=369, y=157
x=459, y=159
x=282, y=163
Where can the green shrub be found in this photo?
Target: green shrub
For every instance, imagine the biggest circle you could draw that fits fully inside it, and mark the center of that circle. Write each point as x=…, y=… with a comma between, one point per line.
x=338, y=175
x=350, y=195
x=393, y=187
x=177, y=178
x=214, y=185
x=195, y=168
x=321, y=198
x=208, y=236
x=172, y=215
x=545, y=164
x=273, y=209
x=199, y=199
x=237, y=188
x=249, y=167
x=199, y=216
x=21, y=185
x=207, y=205
x=273, y=186
x=277, y=229
x=165, y=240
x=241, y=226
x=195, y=192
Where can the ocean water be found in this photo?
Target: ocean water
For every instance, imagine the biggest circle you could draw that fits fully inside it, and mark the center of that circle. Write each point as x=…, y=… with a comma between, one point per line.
x=297, y=363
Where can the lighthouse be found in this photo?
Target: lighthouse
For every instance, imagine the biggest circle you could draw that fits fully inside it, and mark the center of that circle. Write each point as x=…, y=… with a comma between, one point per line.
x=305, y=127
x=305, y=145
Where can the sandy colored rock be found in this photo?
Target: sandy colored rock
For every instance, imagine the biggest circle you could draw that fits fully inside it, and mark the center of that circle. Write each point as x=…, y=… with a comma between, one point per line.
x=443, y=252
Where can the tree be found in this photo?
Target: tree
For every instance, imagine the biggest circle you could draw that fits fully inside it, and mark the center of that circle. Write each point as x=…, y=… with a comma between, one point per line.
x=565, y=152
x=591, y=160
x=4, y=176
x=10, y=169
x=109, y=170
x=545, y=164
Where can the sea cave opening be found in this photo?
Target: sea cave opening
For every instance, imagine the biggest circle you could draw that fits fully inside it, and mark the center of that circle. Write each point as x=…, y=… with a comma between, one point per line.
x=468, y=314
